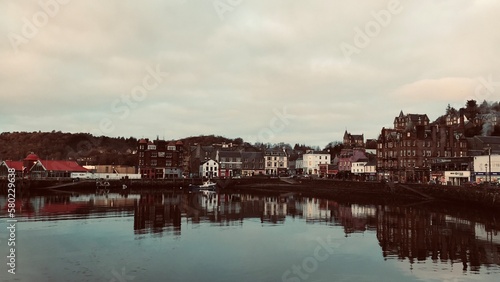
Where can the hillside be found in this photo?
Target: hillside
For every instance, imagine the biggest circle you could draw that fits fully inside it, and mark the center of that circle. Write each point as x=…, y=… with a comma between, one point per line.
x=83, y=147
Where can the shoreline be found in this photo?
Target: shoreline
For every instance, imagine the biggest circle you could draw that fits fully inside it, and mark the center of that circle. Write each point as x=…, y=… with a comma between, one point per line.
x=475, y=197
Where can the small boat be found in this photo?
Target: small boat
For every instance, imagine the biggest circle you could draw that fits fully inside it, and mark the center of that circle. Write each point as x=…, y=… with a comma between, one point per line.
x=206, y=186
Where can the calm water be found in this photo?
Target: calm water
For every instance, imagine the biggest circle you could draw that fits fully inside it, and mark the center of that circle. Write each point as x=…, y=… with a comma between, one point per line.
x=224, y=237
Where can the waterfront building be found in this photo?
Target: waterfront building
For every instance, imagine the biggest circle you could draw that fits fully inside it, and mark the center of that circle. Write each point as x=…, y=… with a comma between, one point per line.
x=209, y=169
x=310, y=161
x=405, y=152
x=328, y=170
x=160, y=159
x=197, y=155
x=487, y=168
x=276, y=161
x=33, y=167
x=230, y=163
x=253, y=163
x=452, y=171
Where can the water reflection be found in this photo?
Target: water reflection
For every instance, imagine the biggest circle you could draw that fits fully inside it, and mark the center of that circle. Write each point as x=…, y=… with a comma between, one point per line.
x=403, y=232
x=72, y=206
x=418, y=235
x=406, y=233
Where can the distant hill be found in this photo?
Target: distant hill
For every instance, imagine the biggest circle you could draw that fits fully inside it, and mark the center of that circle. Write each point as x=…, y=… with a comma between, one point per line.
x=83, y=147
x=209, y=140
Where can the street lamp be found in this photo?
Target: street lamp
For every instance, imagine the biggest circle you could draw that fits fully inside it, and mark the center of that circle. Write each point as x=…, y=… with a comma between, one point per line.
x=489, y=161
x=485, y=172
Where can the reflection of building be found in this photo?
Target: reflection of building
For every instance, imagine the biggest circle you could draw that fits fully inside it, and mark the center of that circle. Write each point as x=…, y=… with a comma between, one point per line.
x=413, y=234
x=274, y=210
x=157, y=213
x=355, y=218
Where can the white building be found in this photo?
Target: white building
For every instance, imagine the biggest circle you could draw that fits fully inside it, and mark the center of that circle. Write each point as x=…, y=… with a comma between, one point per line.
x=276, y=161
x=367, y=170
x=209, y=169
x=358, y=167
x=482, y=169
x=311, y=161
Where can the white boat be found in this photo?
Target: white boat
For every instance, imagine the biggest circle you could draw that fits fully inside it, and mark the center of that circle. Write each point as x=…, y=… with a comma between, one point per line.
x=206, y=186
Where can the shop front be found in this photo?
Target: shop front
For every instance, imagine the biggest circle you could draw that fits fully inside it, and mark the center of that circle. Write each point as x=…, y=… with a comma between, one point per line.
x=456, y=178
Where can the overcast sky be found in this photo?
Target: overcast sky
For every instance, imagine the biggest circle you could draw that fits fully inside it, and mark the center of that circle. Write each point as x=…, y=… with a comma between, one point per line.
x=266, y=71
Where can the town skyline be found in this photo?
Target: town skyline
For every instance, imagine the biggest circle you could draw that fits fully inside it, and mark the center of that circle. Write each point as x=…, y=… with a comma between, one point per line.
x=338, y=139
x=264, y=72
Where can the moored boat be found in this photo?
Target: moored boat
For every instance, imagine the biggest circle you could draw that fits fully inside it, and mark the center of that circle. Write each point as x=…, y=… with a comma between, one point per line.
x=206, y=186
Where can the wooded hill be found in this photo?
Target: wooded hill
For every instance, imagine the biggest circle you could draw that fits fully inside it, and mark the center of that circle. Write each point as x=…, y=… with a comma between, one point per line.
x=84, y=147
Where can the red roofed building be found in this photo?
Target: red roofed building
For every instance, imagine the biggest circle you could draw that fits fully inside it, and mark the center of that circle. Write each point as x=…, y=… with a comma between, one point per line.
x=33, y=167
x=6, y=165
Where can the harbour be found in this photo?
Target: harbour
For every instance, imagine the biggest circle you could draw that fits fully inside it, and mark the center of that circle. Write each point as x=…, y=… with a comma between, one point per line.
x=228, y=236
